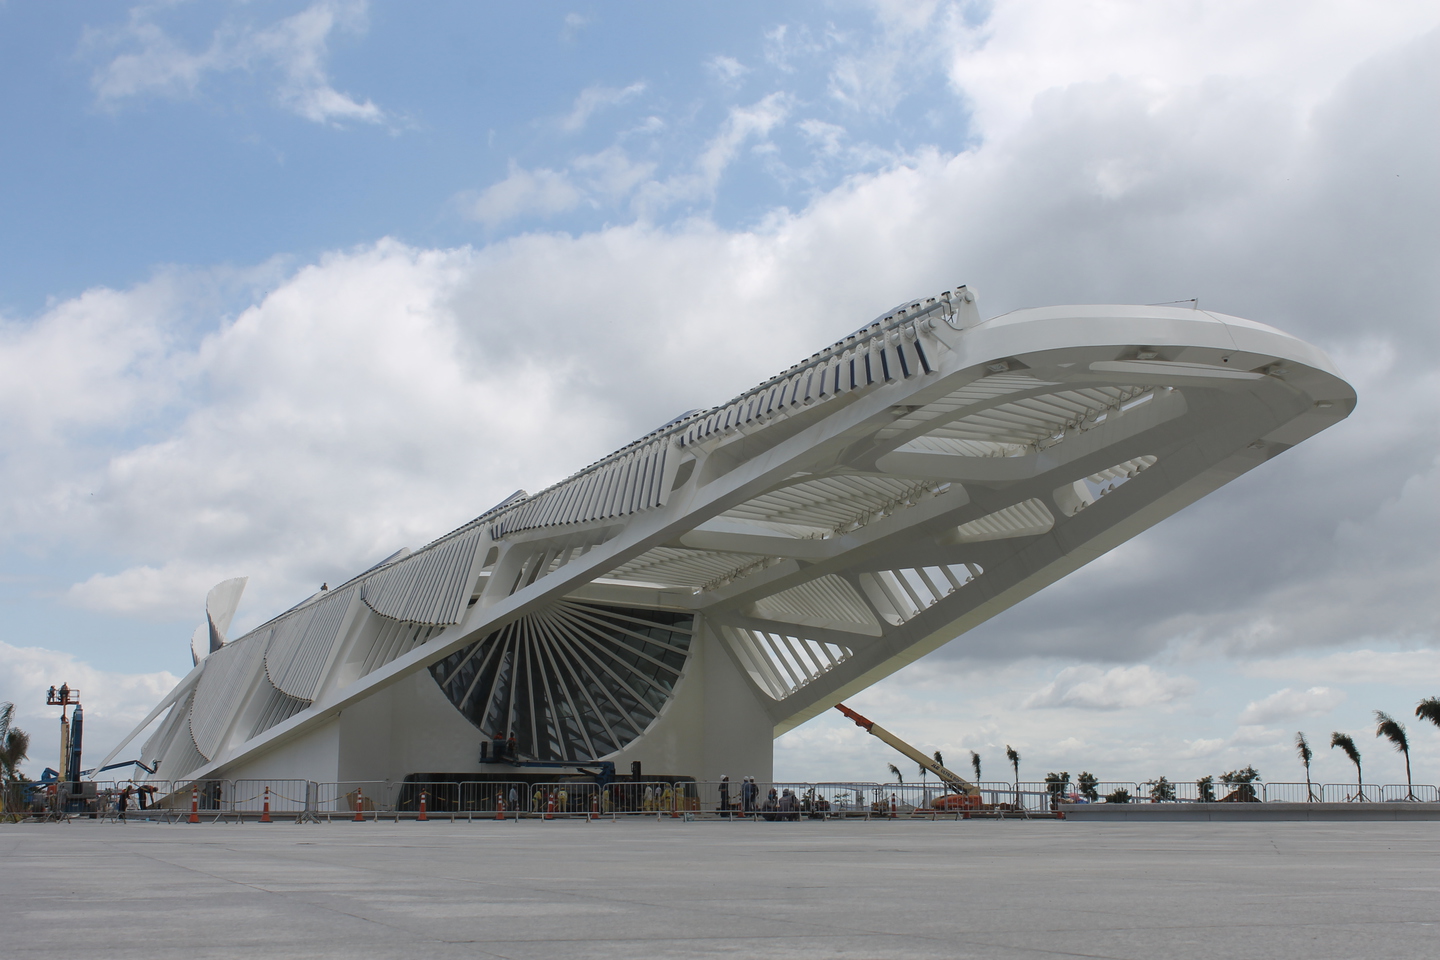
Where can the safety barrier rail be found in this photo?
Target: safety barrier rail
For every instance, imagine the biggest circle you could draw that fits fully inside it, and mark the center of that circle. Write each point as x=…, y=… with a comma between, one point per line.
x=297, y=800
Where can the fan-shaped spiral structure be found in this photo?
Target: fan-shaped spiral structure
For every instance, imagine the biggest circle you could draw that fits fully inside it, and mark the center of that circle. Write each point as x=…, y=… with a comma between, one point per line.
x=574, y=682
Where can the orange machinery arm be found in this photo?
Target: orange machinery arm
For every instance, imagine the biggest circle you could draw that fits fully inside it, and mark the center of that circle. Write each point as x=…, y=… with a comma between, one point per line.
x=951, y=779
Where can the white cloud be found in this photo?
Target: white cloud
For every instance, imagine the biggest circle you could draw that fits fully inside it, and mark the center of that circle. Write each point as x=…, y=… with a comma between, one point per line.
x=1089, y=688
x=327, y=424
x=572, y=25
x=825, y=136
x=611, y=176
x=542, y=191
x=1288, y=704
x=113, y=702
x=611, y=173
x=1292, y=48
x=167, y=591
x=1401, y=668
x=727, y=70
x=293, y=49
x=595, y=98
x=742, y=125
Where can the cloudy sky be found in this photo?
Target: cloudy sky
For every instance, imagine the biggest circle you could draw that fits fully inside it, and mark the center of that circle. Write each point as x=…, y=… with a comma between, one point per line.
x=285, y=286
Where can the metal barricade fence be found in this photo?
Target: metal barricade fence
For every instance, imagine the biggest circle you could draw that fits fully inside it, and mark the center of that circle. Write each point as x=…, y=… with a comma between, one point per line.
x=442, y=797
x=1285, y=792
x=571, y=799
x=369, y=797
x=454, y=798
x=847, y=800
x=146, y=798
x=1421, y=792
x=1106, y=789
x=489, y=795
x=642, y=797
x=1000, y=795
x=218, y=799
x=210, y=795
x=286, y=796
x=1350, y=793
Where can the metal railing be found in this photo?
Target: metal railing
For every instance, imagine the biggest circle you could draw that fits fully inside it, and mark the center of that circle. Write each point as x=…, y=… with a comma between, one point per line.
x=298, y=800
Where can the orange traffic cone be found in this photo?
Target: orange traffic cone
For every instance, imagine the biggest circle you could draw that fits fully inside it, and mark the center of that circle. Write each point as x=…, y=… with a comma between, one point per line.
x=195, y=804
x=499, y=807
x=550, y=807
x=265, y=814
x=359, y=804
x=594, y=806
x=892, y=806
x=422, y=807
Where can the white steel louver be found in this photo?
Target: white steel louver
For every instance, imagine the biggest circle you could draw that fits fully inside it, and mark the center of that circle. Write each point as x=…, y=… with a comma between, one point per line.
x=429, y=586
x=828, y=601
x=301, y=644
x=901, y=594
x=780, y=663
x=575, y=681
x=222, y=688
x=1028, y=518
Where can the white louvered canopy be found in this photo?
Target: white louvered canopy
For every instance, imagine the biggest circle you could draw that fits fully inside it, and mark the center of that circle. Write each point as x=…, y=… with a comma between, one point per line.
x=817, y=532
x=301, y=644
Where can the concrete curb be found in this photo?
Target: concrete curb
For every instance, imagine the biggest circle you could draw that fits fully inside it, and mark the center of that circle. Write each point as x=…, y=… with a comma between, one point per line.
x=1144, y=812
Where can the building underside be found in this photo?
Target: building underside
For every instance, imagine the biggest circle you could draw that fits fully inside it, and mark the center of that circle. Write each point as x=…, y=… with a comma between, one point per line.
x=734, y=573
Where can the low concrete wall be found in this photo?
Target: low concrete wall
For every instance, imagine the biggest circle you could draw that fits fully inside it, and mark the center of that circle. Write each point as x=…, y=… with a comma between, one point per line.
x=1142, y=812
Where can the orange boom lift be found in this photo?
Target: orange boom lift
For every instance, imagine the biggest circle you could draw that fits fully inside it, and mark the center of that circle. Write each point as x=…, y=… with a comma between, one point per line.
x=966, y=795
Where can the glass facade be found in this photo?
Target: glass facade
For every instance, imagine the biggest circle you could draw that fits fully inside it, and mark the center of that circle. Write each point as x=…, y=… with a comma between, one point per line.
x=574, y=682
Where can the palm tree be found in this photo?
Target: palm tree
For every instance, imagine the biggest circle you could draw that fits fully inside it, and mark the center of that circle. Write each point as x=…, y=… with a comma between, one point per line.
x=1429, y=709
x=975, y=762
x=1394, y=731
x=1302, y=747
x=899, y=777
x=1343, y=741
x=1014, y=759
x=14, y=748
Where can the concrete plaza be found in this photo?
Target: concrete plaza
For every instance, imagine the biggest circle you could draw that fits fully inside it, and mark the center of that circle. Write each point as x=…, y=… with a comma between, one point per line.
x=674, y=889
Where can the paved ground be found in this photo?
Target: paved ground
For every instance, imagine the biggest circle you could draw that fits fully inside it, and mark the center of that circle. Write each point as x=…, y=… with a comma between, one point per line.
x=756, y=890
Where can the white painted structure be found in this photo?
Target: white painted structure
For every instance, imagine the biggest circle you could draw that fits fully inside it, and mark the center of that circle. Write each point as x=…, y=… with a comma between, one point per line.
x=743, y=568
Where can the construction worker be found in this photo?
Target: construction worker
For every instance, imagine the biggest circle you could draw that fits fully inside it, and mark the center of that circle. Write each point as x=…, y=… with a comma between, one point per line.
x=564, y=796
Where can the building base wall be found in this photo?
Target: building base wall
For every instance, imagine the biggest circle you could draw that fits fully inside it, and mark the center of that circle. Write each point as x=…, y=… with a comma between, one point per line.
x=314, y=756
x=714, y=725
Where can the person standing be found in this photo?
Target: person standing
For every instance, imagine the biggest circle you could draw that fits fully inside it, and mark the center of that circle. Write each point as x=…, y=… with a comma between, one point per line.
x=724, y=796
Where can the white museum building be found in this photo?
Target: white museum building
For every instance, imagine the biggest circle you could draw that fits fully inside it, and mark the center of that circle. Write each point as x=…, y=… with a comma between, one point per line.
x=741, y=569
